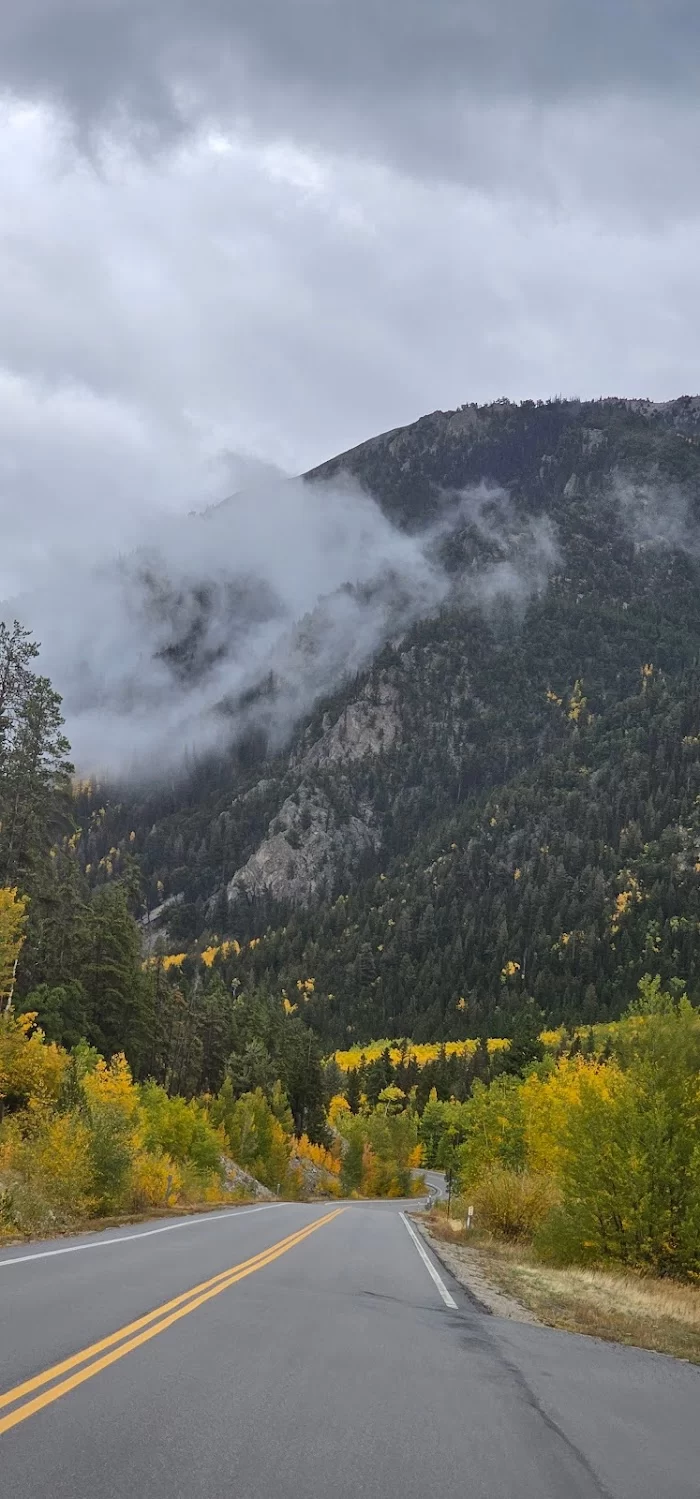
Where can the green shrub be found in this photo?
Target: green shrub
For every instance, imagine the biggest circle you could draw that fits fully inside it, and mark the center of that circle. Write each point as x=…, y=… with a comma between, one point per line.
x=182, y=1129
x=630, y=1176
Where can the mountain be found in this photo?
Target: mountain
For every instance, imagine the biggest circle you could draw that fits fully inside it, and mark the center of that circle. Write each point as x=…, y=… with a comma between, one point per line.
x=506, y=803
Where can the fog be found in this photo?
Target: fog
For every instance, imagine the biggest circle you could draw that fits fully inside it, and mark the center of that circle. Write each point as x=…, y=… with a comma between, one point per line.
x=245, y=614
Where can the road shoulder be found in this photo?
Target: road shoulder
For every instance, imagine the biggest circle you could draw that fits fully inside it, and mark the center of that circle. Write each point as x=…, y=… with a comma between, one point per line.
x=661, y=1316
x=466, y=1265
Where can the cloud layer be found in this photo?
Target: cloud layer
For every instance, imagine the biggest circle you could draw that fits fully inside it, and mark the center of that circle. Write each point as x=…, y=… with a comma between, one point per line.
x=237, y=234
x=244, y=616
x=241, y=616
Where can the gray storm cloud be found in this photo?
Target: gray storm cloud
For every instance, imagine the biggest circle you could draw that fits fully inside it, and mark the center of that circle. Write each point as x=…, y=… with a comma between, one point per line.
x=276, y=229
x=167, y=61
x=245, y=614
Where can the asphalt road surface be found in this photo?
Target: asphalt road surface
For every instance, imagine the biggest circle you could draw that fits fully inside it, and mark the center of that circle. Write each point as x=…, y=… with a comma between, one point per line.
x=306, y=1351
x=436, y=1182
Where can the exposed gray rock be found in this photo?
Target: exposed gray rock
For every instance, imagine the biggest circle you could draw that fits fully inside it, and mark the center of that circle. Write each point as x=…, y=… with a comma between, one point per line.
x=592, y=438
x=316, y=1181
x=368, y=726
x=240, y=1181
x=307, y=847
x=310, y=843
x=154, y=932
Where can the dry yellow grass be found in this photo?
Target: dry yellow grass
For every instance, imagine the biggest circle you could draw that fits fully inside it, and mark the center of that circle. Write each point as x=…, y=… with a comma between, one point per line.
x=646, y=1312
x=9, y=1237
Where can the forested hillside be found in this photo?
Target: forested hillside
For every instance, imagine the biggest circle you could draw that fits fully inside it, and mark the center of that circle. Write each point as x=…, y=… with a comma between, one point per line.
x=504, y=805
x=493, y=833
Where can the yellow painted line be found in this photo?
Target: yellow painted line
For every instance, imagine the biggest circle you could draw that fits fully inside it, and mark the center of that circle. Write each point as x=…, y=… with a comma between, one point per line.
x=116, y=1337
x=167, y=1314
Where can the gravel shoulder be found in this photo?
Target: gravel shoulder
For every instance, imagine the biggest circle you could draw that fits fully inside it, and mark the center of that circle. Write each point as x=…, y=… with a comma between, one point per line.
x=619, y=1306
x=467, y=1266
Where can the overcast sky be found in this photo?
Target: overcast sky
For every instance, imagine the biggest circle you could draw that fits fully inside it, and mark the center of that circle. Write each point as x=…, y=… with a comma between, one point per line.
x=237, y=231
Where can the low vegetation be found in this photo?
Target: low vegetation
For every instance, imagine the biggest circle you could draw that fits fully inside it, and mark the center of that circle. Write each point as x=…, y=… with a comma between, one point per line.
x=594, y=1160
x=79, y=1139
x=576, y=1187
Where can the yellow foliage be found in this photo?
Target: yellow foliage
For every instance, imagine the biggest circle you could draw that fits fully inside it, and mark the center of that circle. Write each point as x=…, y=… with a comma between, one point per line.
x=111, y=1083
x=630, y=896
x=513, y=1204
x=510, y=969
x=577, y=702
x=209, y=1191
x=156, y=1181
x=61, y=1159
x=288, y=1007
x=317, y=1154
x=420, y=1052
x=50, y=1165
x=551, y=1039
x=337, y=1108
x=31, y=1070
x=13, y=913
x=547, y=1103
x=61, y=1167
x=209, y=955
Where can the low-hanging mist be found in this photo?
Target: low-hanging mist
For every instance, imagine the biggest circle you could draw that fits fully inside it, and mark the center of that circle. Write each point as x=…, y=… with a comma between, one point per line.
x=242, y=616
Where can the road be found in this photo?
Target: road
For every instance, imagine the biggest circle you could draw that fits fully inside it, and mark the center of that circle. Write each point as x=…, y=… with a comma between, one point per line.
x=436, y=1182
x=317, y=1358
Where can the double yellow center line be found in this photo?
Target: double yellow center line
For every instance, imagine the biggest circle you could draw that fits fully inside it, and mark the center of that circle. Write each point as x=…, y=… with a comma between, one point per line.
x=134, y=1334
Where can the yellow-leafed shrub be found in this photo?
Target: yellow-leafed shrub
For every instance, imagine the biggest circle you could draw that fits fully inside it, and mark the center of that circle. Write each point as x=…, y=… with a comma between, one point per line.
x=30, y=1067
x=156, y=1181
x=513, y=1204
x=13, y=911
x=317, y=1154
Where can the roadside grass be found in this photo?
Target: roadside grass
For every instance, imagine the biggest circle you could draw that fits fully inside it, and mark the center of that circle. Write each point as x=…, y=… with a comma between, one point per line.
x=642, y=1311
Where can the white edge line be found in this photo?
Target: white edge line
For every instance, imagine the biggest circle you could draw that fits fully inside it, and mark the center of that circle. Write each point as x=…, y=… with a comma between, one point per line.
x=442, y=1288
x=195, y=1222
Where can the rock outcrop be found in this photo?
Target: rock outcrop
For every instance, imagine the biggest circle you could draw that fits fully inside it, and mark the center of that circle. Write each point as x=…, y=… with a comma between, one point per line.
x=315, y=840
x=369, y=726
x=308, y=847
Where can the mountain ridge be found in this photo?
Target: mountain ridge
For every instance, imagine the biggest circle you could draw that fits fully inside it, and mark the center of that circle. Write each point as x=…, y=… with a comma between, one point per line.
x=569, y=534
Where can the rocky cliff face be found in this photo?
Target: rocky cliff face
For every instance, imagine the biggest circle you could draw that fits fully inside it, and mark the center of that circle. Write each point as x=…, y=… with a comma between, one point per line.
x=312, y=843
x=307, y=849
x=369, y=726
x=509, y=772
